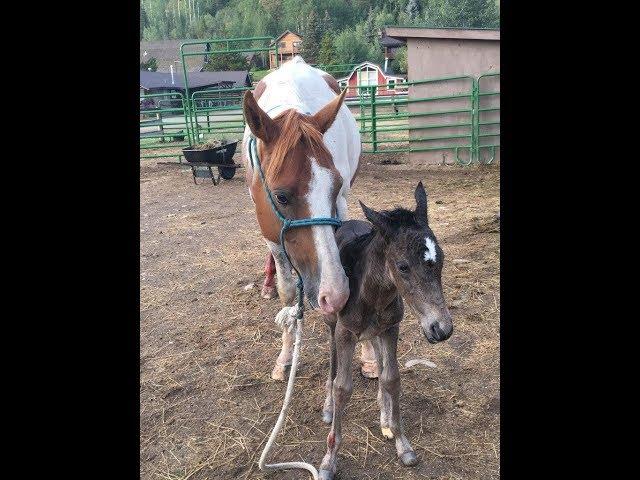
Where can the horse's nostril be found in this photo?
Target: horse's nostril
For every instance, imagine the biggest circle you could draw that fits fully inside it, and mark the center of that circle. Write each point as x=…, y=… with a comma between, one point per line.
x=323, y=303
x=435, y=330
x=438, y=333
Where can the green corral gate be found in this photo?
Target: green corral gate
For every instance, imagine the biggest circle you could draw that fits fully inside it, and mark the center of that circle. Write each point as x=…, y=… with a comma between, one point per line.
x=458, y=114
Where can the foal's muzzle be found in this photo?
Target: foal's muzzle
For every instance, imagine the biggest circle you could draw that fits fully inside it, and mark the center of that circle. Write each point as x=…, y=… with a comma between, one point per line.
x=438, y=331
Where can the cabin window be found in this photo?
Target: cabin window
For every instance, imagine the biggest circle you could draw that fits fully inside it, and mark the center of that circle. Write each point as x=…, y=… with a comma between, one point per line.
x=282, y=44
x=296, y=44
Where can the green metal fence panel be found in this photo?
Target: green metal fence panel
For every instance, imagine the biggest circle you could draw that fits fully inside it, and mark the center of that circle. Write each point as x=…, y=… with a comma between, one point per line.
x=226, y=45
x=456, y=113
x=217, y=113
x=488, y=125
x=164, y=125
x=449, y=113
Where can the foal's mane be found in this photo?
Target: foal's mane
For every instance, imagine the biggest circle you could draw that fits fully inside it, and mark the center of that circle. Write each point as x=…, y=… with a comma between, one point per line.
x=295, y=129
x=400, y=218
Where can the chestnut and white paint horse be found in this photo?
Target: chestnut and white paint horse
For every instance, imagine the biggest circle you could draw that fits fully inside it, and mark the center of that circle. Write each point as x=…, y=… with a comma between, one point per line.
x=308, y=144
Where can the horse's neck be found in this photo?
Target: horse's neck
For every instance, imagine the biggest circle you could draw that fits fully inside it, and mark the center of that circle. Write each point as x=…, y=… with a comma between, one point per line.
x=294, y=86
x=376, y=287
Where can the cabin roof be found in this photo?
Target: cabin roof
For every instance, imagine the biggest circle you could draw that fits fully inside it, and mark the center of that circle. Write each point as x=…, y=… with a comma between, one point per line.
x=283, y=34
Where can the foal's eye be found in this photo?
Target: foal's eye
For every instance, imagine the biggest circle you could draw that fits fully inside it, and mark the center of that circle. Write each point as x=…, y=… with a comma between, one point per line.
x=282, y=198
x=403, y=267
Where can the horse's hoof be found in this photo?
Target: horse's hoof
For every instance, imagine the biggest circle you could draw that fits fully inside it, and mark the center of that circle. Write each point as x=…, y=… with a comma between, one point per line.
x=409, y=459
x=369, y=370
x=269, y=292
x=325, y=475
x=327, y=417
x=387, y=433
x=281, y=372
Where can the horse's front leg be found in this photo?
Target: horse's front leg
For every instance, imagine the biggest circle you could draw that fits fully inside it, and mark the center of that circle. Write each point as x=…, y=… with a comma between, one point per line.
x=269, y=285
x=286, y=284
x=342, y=387
x=389, y=396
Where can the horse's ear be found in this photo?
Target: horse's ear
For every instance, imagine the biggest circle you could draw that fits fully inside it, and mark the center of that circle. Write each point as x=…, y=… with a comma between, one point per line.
x=421, y=204
x=377, y=219
x=261, y=125
x=327, y=114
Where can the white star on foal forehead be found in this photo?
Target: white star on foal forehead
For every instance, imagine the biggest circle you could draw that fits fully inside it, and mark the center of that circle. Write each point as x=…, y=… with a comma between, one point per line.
x=430, y=252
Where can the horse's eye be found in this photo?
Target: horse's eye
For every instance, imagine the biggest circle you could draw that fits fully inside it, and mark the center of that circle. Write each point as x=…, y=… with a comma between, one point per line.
x=403, y=267
x=282, y=198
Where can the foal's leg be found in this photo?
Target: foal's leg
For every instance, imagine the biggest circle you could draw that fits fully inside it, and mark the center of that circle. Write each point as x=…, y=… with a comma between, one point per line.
x=370, y=367
x=286, y=284
x=384, y=401
x=342, y=387
x=327, y=409
x=390, y=385
x=269, y=285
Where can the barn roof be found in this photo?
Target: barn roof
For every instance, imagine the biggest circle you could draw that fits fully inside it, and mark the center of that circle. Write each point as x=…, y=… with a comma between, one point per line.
x=162, y=80
x=370, y=64
x=167, y=52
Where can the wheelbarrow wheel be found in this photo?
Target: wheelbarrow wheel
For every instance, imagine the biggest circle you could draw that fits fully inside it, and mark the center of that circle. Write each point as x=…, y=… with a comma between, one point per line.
x=227, y=172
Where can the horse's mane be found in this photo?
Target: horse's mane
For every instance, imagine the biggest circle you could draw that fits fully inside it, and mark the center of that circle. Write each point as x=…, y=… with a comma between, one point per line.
x=295, y=129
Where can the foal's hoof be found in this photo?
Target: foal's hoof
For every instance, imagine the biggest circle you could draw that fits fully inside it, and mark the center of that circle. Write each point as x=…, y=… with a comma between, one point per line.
x=269, y=292
x=327, y=416
x=369, y=370
x=387, y=433
x=409, y=458
x=280, y=372
x=326, y=475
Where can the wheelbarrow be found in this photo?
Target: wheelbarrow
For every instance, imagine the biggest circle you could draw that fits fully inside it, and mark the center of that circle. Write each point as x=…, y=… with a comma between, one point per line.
x=202, y=162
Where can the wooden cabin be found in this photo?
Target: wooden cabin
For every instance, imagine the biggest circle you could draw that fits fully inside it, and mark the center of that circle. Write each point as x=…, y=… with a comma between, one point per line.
x=289, y=44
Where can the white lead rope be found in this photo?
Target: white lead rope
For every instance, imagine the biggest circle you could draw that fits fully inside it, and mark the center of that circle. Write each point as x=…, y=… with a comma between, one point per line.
x=283, y=415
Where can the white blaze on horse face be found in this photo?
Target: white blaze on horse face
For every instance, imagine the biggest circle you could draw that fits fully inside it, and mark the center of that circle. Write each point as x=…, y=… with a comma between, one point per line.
x=319, y=199
x=430, y=252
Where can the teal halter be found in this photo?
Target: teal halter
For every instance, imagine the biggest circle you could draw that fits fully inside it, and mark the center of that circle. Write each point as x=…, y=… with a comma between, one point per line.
x=287, y=223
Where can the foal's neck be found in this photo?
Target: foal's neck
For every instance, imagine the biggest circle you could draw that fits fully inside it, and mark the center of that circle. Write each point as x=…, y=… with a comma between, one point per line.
x=377, y=288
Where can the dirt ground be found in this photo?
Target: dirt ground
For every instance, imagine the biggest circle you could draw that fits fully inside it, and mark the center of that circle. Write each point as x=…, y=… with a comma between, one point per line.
x=208, y=344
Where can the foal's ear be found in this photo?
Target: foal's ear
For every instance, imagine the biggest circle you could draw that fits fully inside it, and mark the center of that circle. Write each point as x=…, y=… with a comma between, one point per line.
x=327, y=114
x=377, y=219
x=421, y=204
x=261, y=125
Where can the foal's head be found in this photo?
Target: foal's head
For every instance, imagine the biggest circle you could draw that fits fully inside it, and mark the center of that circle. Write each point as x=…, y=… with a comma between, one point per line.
x=414, y=261
x=305, y=184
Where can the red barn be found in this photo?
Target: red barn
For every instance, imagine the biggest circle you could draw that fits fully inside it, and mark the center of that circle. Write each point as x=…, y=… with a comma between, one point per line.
x=369, y=74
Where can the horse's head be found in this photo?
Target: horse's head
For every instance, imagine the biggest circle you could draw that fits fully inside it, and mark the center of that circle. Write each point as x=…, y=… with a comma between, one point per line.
x=304, y=183
x=414, y=261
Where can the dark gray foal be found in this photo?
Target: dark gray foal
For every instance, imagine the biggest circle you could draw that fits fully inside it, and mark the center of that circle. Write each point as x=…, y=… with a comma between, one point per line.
x=395, y=257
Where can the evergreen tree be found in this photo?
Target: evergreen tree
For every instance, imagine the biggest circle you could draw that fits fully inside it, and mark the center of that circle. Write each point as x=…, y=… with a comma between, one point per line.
x=412, y=9
x=370, y=32
x=225, y=62
x=150, y=65
x=327, y=23
x=327, y=53
x=144, y=20
x=312, y=35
